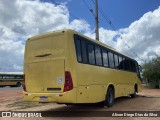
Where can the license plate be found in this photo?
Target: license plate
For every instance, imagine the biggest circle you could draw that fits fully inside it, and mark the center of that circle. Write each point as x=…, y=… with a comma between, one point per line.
x=43, y=99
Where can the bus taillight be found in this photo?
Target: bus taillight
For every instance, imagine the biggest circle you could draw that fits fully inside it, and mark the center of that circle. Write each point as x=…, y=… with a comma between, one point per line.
x=68, y=85
x=24, y=86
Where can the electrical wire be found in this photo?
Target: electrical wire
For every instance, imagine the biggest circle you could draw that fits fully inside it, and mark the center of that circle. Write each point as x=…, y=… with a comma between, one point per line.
x=114, y=28
x=91, y=10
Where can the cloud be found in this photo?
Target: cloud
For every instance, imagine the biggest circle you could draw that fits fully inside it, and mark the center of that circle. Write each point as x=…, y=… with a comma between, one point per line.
x=139, y=41
x=21, y=19
x=80, y=25
x=142, y=36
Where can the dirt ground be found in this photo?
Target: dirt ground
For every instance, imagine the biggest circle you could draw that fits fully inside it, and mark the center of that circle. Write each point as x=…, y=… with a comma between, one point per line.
x=146, y=100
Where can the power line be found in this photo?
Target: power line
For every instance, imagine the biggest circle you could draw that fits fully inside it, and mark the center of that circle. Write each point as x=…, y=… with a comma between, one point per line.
x=108, y=20
x=105, y=17
x=131, y=49
x=91, y=10
x=114, y=28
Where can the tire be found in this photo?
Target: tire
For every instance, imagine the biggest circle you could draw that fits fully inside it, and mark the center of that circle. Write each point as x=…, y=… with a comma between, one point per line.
x=109, y=99
x=134, y=94
x=18, y=84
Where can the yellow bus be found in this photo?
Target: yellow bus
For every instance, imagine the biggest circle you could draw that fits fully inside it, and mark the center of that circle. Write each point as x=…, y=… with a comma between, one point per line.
x=12, y=80
x=68, y=67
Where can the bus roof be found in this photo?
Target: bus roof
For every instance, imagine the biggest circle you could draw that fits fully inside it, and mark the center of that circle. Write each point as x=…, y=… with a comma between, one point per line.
x=58, y=32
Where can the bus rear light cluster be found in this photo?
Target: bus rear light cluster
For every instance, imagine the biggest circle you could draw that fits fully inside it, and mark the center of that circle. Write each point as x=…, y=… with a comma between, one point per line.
x=68, y=84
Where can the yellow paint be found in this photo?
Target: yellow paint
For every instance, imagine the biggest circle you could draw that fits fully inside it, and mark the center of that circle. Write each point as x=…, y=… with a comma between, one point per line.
x=8, y=83
x=90, y=82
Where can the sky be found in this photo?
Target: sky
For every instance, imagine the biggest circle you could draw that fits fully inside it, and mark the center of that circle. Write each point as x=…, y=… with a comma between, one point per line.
x=121, y=12
x=135, y=33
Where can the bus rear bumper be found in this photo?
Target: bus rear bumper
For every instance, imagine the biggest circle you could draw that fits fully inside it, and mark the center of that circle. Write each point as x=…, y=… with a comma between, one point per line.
x=65, y=97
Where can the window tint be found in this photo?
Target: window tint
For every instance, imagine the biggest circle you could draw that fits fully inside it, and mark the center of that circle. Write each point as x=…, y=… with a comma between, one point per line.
x=133, y=66
x=120, y=63
x=98, y=56
x=129, y=65
x=137, y=69
x=78, y=50
x=91, y=57
x=116, y=61
x=125, y=64
x=84, y=53
x=105, y=58
x=111, y=60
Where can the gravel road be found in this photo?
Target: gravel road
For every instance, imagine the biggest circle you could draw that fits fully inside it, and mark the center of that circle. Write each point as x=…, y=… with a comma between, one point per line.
x=147, y=100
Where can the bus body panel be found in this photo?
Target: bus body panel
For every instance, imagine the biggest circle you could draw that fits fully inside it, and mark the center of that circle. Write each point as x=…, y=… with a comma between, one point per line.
x=45, y=76
x=90, y=83
x=65, y=97
x=5, y=83
x=46, y=60
x=15, y=80
x=93, y=82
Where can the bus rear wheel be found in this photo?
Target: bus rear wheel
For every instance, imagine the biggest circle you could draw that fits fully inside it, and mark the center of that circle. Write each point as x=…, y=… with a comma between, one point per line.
x=134, y=94
x=109, y=99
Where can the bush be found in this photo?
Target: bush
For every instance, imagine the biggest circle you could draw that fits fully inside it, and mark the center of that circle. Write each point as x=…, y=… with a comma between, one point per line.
x=152, y=70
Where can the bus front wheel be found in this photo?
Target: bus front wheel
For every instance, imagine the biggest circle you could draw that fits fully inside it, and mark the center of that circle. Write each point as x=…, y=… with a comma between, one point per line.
x=109, y=99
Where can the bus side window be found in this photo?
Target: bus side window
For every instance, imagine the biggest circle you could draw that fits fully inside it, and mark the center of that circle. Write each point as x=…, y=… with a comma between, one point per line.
x=98, y=56
x=111, y=60
x=78, y=50
x=120, y=66
x=105, y=58
x=138, y=71
x=116, y=60
x=128, y=65
x=125, y=65
x=91, y=55
x=84, y=51
x=134, y=67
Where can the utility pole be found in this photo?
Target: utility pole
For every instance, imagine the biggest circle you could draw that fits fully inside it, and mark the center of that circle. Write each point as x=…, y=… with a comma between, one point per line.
x=96, y=21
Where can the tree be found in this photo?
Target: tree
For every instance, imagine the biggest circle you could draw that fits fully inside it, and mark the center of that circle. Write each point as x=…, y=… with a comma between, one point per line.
x=152, y=70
